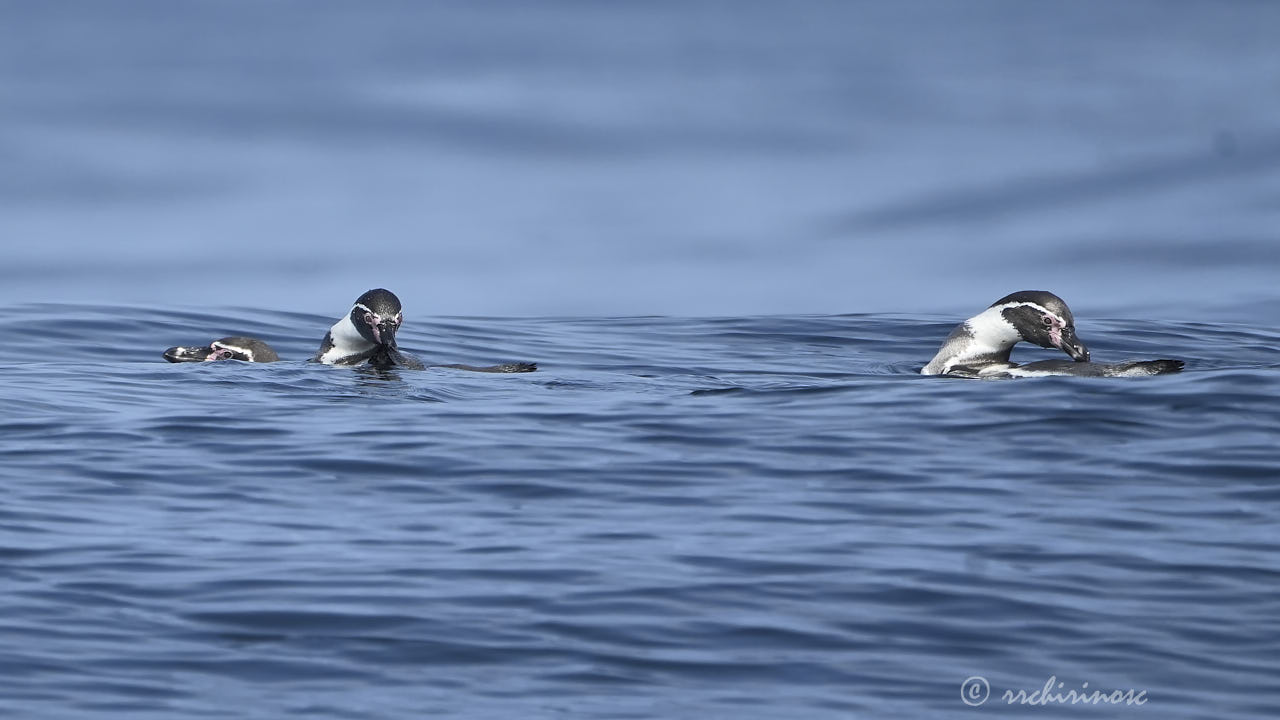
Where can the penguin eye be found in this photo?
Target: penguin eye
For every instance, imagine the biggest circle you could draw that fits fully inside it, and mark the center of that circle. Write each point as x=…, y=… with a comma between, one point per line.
x=368, y=318
x=1047, y=320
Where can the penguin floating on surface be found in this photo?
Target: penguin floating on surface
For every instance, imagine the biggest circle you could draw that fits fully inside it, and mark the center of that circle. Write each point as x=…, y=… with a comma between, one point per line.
x=228, y=348
x=980, y=346
x=364, y=336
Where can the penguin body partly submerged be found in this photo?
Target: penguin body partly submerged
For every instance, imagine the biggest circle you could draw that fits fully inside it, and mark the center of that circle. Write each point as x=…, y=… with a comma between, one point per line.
x=367, y=335
x=364, y=336
x=228, y=348
x=980, y=346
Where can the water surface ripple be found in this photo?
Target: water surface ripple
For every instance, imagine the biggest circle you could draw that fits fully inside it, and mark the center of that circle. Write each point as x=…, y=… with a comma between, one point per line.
x=714, y=517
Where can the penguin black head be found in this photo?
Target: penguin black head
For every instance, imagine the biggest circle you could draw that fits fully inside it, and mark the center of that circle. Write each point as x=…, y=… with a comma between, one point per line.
x=1043, y=318
x=377, y=317
x=246, y=349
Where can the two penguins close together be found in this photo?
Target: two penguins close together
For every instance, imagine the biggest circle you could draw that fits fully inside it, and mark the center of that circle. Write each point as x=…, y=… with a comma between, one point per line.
x=978, y=347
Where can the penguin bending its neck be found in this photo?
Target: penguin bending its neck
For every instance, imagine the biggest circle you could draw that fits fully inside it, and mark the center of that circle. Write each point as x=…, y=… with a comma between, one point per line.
x=367, y=334
x=981, y=345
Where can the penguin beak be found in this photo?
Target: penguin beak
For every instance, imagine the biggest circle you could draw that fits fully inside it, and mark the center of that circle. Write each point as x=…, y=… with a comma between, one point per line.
x=1071, y=345
x=187, y=354
x=386, y=332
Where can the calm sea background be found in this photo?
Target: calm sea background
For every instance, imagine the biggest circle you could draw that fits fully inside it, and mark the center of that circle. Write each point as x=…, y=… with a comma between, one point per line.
x=729, y=233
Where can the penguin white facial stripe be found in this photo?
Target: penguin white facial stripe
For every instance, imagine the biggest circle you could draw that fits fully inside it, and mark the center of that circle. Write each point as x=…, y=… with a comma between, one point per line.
x=375, y=318
x=233, y=349
x=1039, y=308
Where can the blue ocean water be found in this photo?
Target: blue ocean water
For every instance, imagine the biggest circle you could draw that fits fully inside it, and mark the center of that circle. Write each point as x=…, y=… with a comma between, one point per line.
x=729, y=233
x=736, y=517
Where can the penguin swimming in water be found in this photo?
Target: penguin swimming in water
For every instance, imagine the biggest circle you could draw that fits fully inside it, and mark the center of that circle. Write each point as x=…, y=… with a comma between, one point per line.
x=364, y=336
x=367, y=335
x=980, y=346
x=228, y=348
